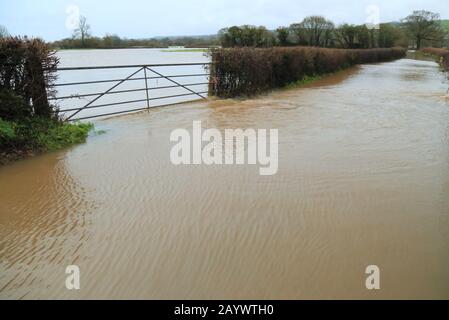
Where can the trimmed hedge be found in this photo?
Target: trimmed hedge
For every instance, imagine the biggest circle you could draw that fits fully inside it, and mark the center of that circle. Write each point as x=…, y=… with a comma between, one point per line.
x=27, y=70
x=29, y=124
x=248, y=71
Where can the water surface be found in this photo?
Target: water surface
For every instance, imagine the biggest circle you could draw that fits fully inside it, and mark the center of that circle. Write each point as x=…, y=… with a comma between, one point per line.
x=363, y=179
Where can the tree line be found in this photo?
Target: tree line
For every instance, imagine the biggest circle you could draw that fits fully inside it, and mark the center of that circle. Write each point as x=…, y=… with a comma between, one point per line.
x=82, y=38
x=113, y=41
x=421, y=28
x=418, y=29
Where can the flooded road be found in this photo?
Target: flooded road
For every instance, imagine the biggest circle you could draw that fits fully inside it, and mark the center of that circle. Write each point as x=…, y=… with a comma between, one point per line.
x=363, y=180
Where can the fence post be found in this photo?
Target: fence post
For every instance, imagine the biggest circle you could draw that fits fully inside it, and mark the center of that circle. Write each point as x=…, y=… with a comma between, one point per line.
x=146, y=87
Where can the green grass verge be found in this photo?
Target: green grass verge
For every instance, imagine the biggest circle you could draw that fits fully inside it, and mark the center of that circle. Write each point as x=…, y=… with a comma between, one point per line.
x=34, y=135
x=419, y=55
x=62, y=135
x=305, y=80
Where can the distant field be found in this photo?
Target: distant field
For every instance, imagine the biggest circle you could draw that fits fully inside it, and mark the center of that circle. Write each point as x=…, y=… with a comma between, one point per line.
x=445, y=24
x=185, y=50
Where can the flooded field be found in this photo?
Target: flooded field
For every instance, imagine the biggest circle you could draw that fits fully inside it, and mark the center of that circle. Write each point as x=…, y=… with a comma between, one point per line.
x=363, y=180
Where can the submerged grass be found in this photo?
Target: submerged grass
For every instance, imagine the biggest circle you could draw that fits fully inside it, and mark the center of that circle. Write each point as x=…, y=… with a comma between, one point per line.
x=62, y=135
x=306, y=80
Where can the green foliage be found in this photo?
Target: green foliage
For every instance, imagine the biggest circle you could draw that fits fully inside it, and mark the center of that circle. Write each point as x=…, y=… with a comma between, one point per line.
x=114, y=41
x=282, y=34
x=315, y=31
x=248, y=71
x=306, y=80
x=246, y=36
x=387, y=36
x=311, y=31
x=390, y=35
x=60, y=135
x=28, y=122
x=7, y=131
x=348, y=36
x=40, y=134
x=13, y=106
x=445, y=25
x=424, y=25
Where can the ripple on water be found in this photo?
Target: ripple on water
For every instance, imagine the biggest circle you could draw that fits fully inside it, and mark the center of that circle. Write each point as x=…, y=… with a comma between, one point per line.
x=363, y=165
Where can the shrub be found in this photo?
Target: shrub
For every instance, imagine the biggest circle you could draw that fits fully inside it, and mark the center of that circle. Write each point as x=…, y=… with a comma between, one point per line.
x=12, y=106
x=60, y=135
x=7, y=132
x=40, y=134
x=28, y=123
x=248, y=71
x=27, y=69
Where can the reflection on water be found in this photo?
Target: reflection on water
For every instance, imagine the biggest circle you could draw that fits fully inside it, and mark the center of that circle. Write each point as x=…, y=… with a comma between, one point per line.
x=363, y=179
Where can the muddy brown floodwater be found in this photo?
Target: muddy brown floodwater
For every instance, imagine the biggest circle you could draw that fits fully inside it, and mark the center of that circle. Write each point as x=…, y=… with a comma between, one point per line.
x=363, y=179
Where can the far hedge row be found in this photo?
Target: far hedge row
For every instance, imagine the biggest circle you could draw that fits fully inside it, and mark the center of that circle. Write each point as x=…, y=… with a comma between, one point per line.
x=248, y=71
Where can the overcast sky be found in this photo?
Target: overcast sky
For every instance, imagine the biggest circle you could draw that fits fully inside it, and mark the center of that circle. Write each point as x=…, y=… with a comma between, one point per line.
x=52, y=19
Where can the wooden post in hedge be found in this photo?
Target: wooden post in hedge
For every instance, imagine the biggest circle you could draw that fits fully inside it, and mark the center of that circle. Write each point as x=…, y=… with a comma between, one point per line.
x=41, y=67
x=212, y=74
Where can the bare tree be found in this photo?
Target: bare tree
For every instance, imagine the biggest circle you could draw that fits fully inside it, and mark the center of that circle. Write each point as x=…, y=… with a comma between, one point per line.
x=423, y=25
x=83, y=31
x=346, y=35
x=282, y=34
x=298, y=34
x=246, y=36
x=3, y=32
x=313, y=31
